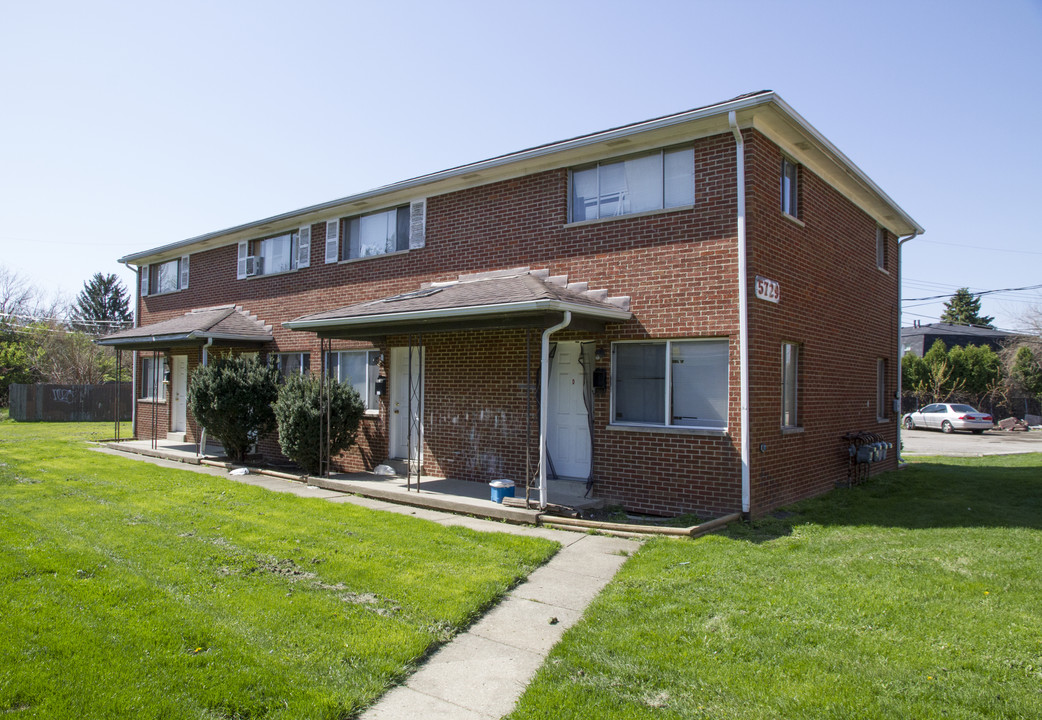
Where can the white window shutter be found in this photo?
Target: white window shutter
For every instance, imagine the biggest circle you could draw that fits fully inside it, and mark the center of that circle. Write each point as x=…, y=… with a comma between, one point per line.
x=144, y=280
x=417, y=223
x=240, y=268
x=184, y=273
x=332, y=241
x=304, y=247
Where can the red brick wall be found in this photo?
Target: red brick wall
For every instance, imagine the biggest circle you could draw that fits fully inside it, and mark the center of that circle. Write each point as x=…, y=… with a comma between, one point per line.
x=838, y=307
x=678, y=267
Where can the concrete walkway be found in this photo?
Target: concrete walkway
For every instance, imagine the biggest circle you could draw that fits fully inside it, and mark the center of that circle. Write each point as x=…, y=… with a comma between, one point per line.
x=482, y=672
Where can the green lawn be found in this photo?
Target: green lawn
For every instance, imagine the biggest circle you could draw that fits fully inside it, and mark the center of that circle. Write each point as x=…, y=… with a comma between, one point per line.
x=918, y=595
x=129, y=590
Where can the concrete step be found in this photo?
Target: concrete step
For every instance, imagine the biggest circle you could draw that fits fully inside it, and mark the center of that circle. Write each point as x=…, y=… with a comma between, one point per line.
x=179, y=437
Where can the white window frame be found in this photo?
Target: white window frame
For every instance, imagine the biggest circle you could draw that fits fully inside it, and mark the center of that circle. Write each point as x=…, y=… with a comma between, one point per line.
x=148, y=377
x=661, y=153
x=372, y=372
x=790, y=202
x=790, y=385
x=667, y=420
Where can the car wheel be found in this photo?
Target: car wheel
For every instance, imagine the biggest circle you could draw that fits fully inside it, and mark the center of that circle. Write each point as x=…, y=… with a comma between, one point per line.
x=978, y=432
x=909, y=425
x=947, y=427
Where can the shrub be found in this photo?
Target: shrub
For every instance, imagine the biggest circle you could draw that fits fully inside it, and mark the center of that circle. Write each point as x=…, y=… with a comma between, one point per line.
x=232, y=399
x=301, y=419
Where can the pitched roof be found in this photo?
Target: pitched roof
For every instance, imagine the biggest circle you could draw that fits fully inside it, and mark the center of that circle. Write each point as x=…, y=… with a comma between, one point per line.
x=764, y=110
x=229, y=323
x=499, y=299
x=952, y=329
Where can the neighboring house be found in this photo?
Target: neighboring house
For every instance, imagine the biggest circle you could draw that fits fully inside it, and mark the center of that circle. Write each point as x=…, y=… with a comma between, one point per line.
x=920, y=338
x=718, y=289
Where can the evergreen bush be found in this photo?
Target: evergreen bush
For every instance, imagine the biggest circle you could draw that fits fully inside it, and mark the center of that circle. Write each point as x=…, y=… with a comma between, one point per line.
x=232, y=398
x=301, y=420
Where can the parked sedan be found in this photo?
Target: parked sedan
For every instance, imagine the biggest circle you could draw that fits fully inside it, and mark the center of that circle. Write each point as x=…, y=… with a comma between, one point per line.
x=948, y=417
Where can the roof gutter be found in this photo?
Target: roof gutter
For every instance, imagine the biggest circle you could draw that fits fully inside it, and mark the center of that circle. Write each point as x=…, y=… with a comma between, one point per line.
x=743, y=313
x=601, y=313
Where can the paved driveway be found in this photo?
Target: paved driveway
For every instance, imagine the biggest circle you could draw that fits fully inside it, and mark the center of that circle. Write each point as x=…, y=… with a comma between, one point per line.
x=992, y=442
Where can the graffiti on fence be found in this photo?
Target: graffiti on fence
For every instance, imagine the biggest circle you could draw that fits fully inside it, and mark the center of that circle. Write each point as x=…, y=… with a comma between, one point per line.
x=64, y=395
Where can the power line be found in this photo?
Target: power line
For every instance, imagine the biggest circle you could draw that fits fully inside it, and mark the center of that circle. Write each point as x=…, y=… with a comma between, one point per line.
x=977, y=294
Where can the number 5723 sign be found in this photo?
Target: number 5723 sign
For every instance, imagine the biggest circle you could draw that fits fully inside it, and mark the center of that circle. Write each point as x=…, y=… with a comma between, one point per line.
x=768, y=290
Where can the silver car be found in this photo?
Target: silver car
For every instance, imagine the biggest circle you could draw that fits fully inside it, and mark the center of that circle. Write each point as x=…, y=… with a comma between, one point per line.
x=948, y=417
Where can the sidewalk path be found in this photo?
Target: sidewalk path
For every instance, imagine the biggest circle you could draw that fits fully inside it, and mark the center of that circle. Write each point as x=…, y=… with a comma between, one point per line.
x=482, y=672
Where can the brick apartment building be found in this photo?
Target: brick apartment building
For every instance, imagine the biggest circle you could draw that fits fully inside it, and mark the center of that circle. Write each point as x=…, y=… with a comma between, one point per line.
x=718, y=291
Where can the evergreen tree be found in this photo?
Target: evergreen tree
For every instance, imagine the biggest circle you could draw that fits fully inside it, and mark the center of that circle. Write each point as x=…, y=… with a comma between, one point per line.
x=964, y=309
x=103, y=306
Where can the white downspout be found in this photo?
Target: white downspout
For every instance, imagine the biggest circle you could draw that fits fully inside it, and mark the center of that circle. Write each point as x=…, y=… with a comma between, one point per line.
x=743, y=311
x=544, y=400
x=900, y=348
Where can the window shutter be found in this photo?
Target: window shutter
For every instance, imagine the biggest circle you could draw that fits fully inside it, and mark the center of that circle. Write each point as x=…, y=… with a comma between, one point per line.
x=184, y=273
x=304, y=247
x=144, y=280
x=332, y=241
x=417, y=223
x=240, y=268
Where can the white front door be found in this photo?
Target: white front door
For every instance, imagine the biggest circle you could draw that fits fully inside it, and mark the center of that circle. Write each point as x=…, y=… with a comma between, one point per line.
x=179, y=393
x=400, y=387
x=568, y=424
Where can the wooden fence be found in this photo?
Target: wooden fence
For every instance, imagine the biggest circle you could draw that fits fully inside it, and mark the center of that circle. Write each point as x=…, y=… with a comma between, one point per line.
x=71, y=403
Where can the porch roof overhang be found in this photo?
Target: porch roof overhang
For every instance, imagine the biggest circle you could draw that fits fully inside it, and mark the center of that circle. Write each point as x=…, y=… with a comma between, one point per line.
x=523, y=300
x=227, y=324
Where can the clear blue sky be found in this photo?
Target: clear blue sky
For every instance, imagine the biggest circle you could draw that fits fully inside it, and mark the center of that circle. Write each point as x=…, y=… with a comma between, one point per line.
x=129, y=125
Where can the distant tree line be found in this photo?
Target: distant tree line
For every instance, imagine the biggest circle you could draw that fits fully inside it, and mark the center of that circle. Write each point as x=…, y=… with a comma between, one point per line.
x=53, y=342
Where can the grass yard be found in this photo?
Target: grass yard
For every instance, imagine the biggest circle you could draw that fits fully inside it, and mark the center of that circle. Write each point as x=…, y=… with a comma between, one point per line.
x=917, y=595
x=130, y=590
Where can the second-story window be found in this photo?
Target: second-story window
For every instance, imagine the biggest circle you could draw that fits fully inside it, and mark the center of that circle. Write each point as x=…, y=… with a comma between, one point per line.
x=280, y=253
x=660, y=180
x=789, y=188
x=275, y=254
x=165, y=277
x=377, y=233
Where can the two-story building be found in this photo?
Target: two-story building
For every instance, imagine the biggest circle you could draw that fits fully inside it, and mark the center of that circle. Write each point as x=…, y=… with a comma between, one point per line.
x=685, y=313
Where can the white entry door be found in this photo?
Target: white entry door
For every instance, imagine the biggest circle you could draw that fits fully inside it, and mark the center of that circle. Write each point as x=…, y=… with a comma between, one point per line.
x=400, y=387
x=568, y=424
x=179, y=393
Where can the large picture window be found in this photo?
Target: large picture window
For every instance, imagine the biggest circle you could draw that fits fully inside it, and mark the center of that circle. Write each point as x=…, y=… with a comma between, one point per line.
x=360, y=368
x=679, y=383
x=664, y=179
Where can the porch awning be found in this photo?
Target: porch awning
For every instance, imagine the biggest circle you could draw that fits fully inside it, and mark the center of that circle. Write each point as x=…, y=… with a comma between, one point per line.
x=488, y=301
x=227, y=324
